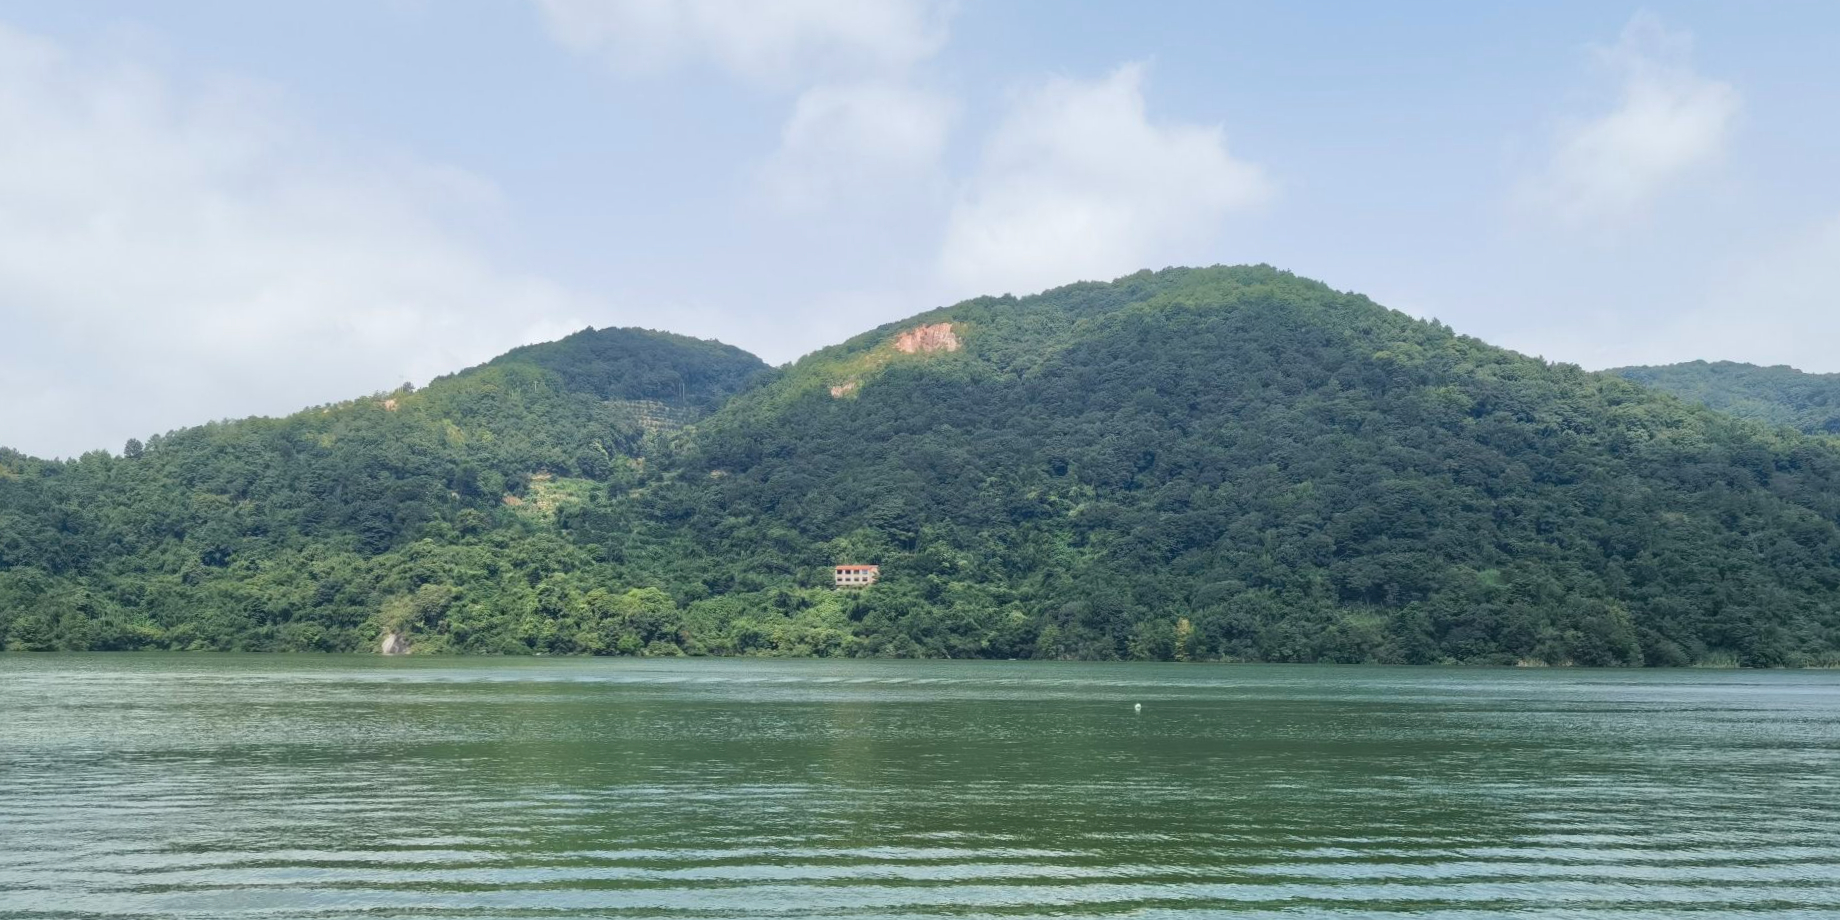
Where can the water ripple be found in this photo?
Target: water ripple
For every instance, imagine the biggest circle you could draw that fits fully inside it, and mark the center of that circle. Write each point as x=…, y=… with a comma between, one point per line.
x=292, y=787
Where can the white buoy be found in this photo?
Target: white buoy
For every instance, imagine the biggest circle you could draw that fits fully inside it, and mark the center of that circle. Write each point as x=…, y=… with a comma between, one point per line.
x=1139, y=707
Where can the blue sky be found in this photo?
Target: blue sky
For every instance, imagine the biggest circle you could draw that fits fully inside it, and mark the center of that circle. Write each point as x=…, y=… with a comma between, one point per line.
x=214, y=209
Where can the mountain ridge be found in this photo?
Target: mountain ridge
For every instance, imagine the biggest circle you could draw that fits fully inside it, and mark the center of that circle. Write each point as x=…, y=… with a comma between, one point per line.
x=1775, y=395
x=1221, y=463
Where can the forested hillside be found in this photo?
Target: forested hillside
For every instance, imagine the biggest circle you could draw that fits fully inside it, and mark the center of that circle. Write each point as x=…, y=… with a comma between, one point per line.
x=316, y=530
x=1773, y=395
x=1227, y=463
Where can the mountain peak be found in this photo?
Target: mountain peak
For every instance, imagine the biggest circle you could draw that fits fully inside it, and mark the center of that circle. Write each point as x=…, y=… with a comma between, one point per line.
x=634, y=363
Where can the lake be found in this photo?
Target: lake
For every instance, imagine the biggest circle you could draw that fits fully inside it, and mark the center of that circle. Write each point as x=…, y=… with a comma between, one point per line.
x=220, y=786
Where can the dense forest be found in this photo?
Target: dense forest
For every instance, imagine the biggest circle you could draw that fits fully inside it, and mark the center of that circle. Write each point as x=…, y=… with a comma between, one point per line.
x=1200, y=464
x=1775, y=395
x=316, y=530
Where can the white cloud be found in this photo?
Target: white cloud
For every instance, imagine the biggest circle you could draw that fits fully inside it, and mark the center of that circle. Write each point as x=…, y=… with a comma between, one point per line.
x=857, y=141
x=1669, y=123
x=862, y=127
x=769, y=40
x=1079, y=183
x=208, y=257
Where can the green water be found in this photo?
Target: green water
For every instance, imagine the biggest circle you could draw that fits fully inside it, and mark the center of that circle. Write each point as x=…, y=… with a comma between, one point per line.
x=285, y=787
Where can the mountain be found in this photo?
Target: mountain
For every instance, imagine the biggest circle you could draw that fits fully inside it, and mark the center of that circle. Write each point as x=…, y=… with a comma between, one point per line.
x=1777, y=395
x=1225, y=463
x=295, y=533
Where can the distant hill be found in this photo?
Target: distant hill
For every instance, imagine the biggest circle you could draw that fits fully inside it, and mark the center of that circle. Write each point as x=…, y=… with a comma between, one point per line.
x=297, y=533
x=1223, y=463
x=1776, y=395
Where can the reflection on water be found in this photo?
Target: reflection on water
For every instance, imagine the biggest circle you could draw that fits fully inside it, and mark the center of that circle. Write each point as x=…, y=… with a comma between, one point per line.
x=293, y=787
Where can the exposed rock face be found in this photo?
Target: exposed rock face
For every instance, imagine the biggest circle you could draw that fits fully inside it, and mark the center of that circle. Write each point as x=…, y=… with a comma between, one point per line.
x=934, y=337
x=394, y=643
x=843, y=389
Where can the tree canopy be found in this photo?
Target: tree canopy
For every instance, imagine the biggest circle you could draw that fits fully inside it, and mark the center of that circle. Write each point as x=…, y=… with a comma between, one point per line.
x=1224, y=463
x=1776, y=395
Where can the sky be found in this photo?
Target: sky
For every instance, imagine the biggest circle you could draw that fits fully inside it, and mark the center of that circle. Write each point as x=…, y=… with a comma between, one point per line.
x=213, y=208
